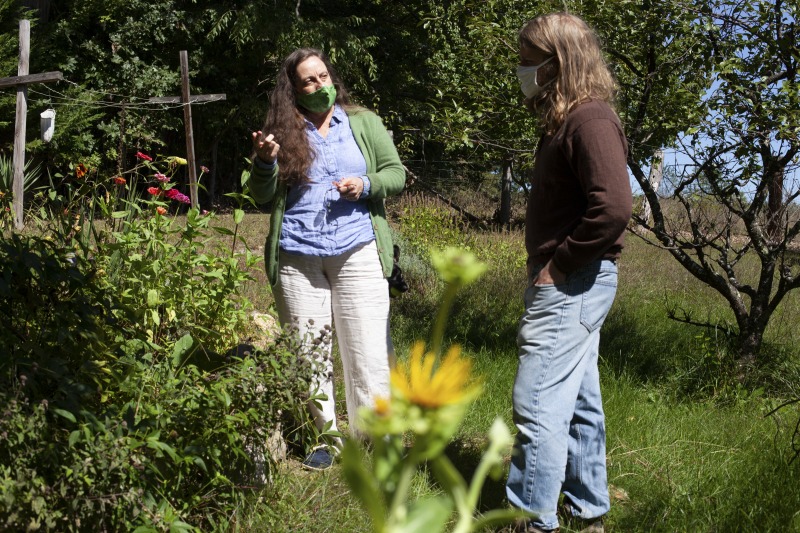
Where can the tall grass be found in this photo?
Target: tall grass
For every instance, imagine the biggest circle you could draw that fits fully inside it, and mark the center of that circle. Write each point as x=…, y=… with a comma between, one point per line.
x=689, y=447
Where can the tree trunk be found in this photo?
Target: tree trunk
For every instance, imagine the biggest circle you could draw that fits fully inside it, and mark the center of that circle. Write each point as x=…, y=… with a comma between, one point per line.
x=656, y=173
x=748, y=344
x=775, y=206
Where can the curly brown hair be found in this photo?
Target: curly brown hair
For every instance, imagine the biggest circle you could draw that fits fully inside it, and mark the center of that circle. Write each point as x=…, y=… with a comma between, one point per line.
x=286, y=122
x=582, y=71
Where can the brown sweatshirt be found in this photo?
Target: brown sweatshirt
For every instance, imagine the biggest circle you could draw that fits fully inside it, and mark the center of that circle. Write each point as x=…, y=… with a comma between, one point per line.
x=581, y=199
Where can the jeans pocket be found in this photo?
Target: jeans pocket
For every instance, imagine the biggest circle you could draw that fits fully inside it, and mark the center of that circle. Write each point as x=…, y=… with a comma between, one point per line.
x=598, y=295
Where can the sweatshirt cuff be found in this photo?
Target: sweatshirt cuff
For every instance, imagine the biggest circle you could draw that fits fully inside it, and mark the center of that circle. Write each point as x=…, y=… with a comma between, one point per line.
x=263, y=164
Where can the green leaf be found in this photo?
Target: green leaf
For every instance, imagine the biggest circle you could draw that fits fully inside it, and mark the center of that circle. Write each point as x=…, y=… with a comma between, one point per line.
x=245, y=177
x=498, y=517
x=238, y=216
x=66, y=414
x=222, y=231
x=181, y=349
x=428, y=515
x=152, y=298
x=200, y=463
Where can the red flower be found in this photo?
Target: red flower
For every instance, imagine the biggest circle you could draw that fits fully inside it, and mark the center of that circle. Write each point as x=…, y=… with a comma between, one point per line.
x=141, y=155
x=155, y=191
x=119, y=180
x=80, y=170
x=160, y=210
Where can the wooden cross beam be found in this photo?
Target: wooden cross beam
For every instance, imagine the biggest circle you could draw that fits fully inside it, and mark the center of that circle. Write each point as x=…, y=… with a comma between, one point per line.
x=186, y=99
x=21, y=81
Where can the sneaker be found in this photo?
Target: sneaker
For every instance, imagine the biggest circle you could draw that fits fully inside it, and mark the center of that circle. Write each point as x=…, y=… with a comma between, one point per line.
x=592, y=525
x=318, y=459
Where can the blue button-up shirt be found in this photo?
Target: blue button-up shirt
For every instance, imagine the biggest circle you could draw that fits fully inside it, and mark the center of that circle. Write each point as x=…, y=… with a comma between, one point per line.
x=318, y=221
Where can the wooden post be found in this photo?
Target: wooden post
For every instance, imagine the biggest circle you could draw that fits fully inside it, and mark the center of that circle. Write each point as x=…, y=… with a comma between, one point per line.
x=20, y=122
x=186, y=99
x=21, y=81
x=187, y=124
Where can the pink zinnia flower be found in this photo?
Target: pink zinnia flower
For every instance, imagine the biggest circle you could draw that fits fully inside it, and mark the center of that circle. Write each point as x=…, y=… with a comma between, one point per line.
x=155, y=191
x=174, y=194
x=160, y=210
x=144, y=156
x=161, y=177
x=204, y=169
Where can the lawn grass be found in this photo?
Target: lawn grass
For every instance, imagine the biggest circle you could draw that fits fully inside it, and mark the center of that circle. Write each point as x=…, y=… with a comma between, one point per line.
x=688, y=449
x=696, y=466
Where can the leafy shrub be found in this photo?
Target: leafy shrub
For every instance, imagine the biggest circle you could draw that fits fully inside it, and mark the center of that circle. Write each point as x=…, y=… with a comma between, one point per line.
x=430, y=225
x=487, y=311
x=122, y=407
x=56, y=320
x=170, y=447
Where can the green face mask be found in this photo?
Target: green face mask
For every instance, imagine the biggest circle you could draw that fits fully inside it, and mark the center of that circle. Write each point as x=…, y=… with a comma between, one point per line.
x=320, y=100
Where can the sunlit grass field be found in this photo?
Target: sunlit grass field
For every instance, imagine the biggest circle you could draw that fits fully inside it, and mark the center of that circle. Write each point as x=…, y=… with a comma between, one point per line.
x=689, y=447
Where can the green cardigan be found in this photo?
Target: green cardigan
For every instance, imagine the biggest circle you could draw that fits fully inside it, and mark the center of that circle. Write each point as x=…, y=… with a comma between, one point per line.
x=386, y=176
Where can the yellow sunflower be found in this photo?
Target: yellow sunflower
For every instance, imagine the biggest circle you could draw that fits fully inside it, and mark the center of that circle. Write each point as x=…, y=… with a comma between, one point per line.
x=418, y=382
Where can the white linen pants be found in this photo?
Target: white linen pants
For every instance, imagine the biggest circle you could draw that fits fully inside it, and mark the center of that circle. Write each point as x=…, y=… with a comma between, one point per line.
x=351, y=289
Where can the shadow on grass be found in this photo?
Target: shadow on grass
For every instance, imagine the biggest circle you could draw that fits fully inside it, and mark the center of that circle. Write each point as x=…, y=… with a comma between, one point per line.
x=647, y=352
x=465, y=456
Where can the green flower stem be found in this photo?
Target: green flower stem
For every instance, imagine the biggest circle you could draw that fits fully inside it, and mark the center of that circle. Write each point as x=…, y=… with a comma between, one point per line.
x=399, y=510
x=437, y=335
x=487, y=462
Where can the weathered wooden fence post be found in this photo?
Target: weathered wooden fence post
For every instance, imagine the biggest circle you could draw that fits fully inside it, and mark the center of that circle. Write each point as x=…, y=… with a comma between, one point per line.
x=186, y=99
x=21, y=81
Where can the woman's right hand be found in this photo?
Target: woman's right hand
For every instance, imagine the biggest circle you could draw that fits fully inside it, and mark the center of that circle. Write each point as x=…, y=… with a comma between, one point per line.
x=265, y=147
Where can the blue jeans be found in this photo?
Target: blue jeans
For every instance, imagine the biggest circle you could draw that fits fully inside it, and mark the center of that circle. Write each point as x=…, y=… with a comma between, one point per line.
x=561, y=442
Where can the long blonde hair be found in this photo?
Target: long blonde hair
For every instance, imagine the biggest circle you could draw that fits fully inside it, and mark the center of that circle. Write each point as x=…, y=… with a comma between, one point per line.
x=582, y=70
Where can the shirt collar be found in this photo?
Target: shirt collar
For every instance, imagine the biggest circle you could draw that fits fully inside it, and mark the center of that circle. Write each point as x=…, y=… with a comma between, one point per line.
x=339, y=116
x=338, y=113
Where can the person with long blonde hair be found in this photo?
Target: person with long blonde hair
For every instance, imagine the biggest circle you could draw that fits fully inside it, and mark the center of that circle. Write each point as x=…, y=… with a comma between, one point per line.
x=579, y=207
x=327, y=166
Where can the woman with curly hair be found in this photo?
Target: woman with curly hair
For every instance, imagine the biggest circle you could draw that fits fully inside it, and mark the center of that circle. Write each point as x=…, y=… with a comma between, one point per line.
x=326, y=166
x=578, y=209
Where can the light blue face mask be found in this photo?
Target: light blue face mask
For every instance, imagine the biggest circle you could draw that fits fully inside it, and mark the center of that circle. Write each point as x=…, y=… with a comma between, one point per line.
x=527, y=78
x=320, y=100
